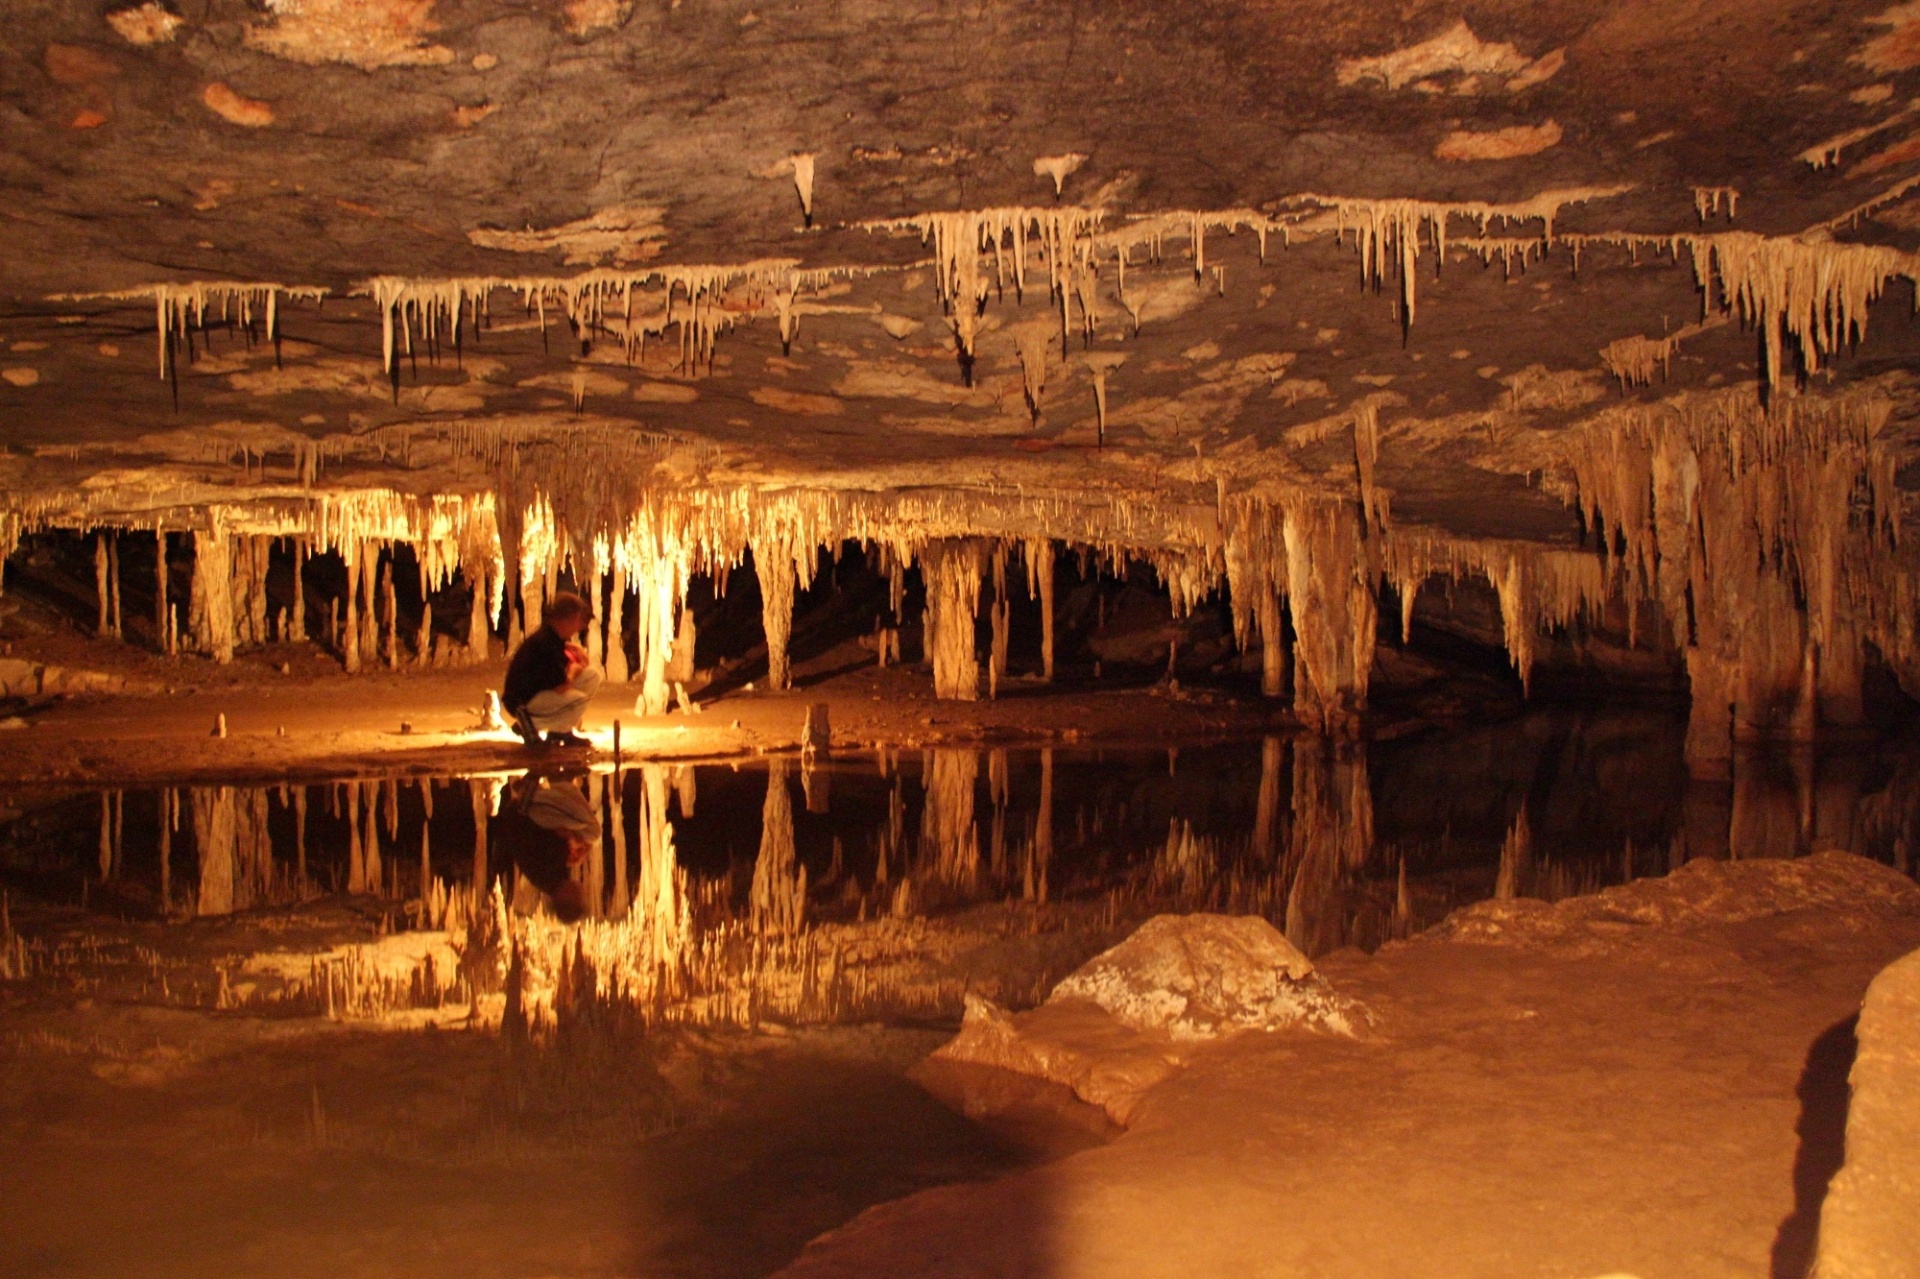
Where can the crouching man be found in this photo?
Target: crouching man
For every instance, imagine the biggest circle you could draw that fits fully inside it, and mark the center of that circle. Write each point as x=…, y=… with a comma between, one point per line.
x=549, y=680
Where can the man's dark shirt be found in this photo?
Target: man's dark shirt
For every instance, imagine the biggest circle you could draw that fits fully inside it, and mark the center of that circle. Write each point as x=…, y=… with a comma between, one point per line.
x=540, y=663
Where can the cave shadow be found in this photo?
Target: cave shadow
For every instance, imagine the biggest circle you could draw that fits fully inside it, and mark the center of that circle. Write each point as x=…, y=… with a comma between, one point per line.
x=1824, y=1094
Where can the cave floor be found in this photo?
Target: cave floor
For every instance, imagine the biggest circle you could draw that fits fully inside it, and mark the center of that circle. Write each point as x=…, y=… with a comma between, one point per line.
x=1667, y=1104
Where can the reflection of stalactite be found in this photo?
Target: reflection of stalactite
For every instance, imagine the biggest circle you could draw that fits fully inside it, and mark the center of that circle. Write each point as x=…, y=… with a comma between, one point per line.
x=952, y=569
x=1516, y=858
x=779, y=895
x=1267, y=811
x=1040, y=850
x=1331, y=838
x=949, y=837
x=214, y=840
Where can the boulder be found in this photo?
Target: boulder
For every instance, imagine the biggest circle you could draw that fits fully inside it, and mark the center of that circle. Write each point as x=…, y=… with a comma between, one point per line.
x=1870, y=1222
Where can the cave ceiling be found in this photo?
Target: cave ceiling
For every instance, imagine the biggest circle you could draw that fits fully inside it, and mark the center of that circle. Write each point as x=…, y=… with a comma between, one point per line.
x=1242, y=157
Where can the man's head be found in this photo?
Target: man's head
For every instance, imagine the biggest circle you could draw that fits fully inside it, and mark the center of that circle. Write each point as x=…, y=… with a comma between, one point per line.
x=566, y=614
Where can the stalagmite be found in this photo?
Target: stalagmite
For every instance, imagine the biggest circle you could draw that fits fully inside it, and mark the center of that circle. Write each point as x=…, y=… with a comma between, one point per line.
x=952, y=569
x=778, y=899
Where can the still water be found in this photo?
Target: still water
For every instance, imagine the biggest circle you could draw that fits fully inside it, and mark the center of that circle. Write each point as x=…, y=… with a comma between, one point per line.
x=1338, y=846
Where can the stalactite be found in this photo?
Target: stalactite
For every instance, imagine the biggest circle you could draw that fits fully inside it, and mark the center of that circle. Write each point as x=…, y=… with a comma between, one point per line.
x=1390, y=231
x=1756, y=529
x=178, y=307
x=1101, y=365
x=1038, y=555
x=1706, y=201
x=952, y=570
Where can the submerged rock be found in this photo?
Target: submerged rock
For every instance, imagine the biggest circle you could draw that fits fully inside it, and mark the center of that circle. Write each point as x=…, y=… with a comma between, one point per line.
x=1202, y=976
x=1133, y=1016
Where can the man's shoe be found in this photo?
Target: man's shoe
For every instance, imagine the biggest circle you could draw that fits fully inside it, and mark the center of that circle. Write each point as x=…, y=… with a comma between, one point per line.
x=569, y=740
x=523, y=726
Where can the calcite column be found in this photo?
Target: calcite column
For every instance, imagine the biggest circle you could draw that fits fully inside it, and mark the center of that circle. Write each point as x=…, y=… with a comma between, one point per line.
x=348, y=617
x=1334, y=615
x=617, y=672
x=369, y=602
x=1040, y=583
x=162, y=610
x=773, y=564
x=210, y=608
x=1001, y=615
x=1274, y=675
x=952, y=569
x=662, y=589
x=297, y=616
x=479, y=632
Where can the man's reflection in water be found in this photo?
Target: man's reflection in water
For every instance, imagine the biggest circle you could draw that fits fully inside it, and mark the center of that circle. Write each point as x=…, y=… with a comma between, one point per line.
x=547, y=827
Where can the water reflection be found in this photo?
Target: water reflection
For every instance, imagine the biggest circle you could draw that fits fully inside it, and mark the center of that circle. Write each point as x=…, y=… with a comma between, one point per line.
x=1338, y=844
